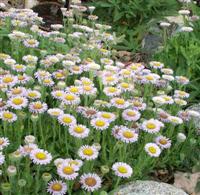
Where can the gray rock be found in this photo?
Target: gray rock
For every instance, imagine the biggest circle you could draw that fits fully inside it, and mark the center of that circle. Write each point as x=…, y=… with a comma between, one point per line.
x=148, y=188
x=196, y=107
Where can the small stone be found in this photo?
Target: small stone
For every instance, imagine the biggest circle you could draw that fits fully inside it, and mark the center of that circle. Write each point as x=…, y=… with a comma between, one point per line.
x=148, y=188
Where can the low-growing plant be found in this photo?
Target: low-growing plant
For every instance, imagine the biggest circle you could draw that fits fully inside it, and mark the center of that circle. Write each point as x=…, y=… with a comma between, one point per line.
x=75, y=121
x=131, y=17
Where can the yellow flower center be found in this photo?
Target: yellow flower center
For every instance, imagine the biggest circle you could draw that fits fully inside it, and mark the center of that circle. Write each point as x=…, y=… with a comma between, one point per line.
x=47, y=81
x=73, y=89
x=68, y=170
x=79, y=129
x=125, y=85
x=86, y=82
x=112, y=89
x=69, y=97
x=32, y=94
x=87, y=88
x=126, y=72
x=41, y=156
x=31, y=41
x=151, y=126
x=17, y=101
x=166, y=98
x=100, y=123
x=90, y=181
x=128, y=134
x=110, y=79
x=20, y=77
x=8, y=79
x=131, y=113
x=88, y=151
x=67, y=120
x=76, y=68
x=58, y=93
x=182, y=93
x=37, y=105
x=59, y=75
x=56, y=187
x=19, y=66
x=137, y=104
x=152, y=150
x=55, y=113
x=1, y=141
x=8, y=115
x=106, y=115
x=122, y=169
x=120, y=101
x=163, y=141
x=149, y=77
x=16, y=91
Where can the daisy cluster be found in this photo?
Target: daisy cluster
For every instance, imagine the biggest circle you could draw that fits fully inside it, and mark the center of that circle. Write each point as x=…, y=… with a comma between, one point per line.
x=85, y=115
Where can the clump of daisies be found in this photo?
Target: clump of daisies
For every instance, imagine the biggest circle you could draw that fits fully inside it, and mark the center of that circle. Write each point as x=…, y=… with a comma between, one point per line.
x=76, y=119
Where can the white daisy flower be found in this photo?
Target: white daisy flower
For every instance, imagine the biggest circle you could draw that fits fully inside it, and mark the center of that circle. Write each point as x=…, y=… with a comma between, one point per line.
x=8, y=116
x=4, y=142
x=59, y=75
x=99, y=123
x=23, y=79
x=70, y=99
x=138, y=105
x=40, y=157
x=167, y=71
x=17, y=91
x=156, y=65
x=30, y=59
x=124, y=87
x=88, y=90
x=88, y=152
x=26, y=149
x=57, y=187
x=116, y=129
x=122, y=169
x=33, y=94
x=37, y=107
x=182, y=80
x=2, y=158
x=108, y=116
x=152, y=149
x=180, y=102
x=152, y=126
x=168, y=77
x=127, y=135
x=119, y=103
x=90, y=182
x=18, y=102
x=74, y=162
x=194, y=113
x=9, y=62
x=130, y=115
x=181, y=94
x=175, y=120
x=57, y=94
x=112, y=91
x=55, y=112
x=32, y=43
x=110, y=80
x=19, y=67
x=9, y=80
x=167, y=99
x=67, y=171
x=66, y=119
x=125, y=73
x=79, y=131
x=163, y=142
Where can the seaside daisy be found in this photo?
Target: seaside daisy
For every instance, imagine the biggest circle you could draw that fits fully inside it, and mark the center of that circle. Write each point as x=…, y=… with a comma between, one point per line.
x=57, y=187
x=40, y=156
x=152, y=149
x=88, y=152
x=122, y=169
x=90, y=182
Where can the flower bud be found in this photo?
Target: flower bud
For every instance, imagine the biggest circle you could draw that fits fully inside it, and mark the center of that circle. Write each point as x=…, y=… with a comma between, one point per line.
x=181, y=137
x=29, y=139
x=11, y=170
x=105, y=169
x=34, y=117
x=97, y=146
x=5, y=187
x=21, y=182
x=46, y=177
x=15, y=156
x=61, y=85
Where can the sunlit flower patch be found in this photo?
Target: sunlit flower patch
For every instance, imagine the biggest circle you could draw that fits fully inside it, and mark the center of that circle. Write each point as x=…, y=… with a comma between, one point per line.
x=74, y=119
